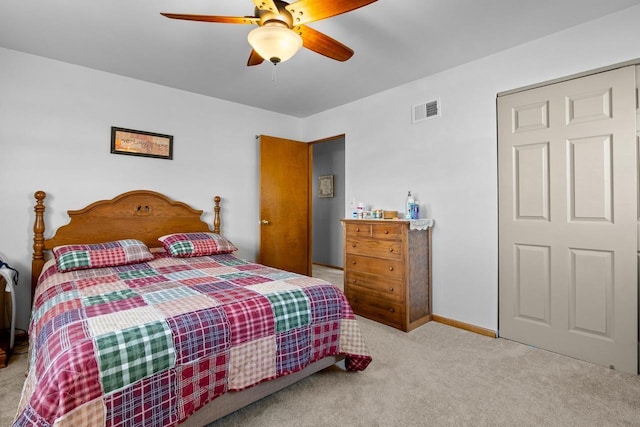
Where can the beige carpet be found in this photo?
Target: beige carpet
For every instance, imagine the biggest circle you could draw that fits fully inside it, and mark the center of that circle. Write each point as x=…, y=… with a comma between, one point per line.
x=439, y=376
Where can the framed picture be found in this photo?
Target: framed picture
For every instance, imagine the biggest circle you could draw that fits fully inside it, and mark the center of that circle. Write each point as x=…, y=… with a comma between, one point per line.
x=325, y=186
x=140, y=143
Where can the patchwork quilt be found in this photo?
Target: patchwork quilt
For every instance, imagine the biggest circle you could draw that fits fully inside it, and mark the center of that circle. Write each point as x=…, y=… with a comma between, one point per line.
x=149, y=343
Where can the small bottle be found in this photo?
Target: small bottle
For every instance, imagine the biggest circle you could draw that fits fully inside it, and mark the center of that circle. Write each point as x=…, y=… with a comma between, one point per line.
x=410, y=203
x=416, y=210
x=360, y=209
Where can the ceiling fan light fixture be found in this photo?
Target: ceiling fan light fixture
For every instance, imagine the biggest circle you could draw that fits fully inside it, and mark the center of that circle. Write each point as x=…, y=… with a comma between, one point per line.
x=275, y=42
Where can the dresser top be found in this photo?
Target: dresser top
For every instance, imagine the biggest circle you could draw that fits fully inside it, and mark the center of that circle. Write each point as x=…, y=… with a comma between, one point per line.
x=414, y=224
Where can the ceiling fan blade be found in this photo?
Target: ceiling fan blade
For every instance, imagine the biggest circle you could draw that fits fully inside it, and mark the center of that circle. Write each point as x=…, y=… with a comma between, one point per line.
x=305, y=11
x=323, y=44
x=254, y=59
x=266, y=5
x=212, y=18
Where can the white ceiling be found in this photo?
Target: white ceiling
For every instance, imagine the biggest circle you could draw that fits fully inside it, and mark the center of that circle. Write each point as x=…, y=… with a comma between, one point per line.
x=395, y=42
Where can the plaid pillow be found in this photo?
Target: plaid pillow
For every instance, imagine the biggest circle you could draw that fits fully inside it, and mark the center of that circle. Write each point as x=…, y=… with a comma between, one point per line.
x=196, y=244
x=110, y=254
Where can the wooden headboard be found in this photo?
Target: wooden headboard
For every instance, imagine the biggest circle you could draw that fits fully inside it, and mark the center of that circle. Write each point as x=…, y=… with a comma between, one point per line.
x=141, y=214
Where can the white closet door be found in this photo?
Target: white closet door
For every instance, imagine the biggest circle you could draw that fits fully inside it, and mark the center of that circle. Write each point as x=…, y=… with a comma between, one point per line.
x=568, y=218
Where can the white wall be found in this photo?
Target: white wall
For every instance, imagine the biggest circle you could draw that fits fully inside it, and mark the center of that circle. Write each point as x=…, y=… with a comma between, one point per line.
x=55, y=123
x=450, y=163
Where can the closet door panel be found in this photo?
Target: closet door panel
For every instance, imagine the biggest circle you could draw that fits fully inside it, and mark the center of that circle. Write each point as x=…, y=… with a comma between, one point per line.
x=568, y=218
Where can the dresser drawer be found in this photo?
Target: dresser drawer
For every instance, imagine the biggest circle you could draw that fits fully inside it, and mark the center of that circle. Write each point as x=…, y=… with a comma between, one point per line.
x=377, y=266
x=378, y=229
x=378, y=309
x=359, y=229
x=385, y=287
x=387, y=230
x=390, y=249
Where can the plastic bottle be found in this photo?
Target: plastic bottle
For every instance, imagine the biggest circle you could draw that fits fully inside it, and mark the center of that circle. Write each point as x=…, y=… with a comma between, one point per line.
x=409, y=206
x=415, y=214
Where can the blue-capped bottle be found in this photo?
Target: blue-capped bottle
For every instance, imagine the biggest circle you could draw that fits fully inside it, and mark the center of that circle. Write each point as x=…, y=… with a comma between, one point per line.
x=409, y=206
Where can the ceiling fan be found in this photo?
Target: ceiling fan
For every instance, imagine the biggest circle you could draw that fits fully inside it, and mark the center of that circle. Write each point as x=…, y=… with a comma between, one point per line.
x=282, y=28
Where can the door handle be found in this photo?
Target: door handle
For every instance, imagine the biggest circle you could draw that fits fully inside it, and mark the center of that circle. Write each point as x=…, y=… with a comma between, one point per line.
x=264, y=222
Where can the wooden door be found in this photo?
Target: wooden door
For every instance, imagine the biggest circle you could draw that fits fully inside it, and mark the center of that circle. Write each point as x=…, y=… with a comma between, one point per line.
x=285, y=220
x=567, y=218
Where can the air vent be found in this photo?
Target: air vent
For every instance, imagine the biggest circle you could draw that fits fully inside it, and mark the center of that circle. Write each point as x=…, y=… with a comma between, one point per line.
x=426, y=110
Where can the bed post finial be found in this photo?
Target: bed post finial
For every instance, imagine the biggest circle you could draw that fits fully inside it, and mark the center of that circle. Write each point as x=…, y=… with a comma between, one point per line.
x=216, y=215
x=38, y=240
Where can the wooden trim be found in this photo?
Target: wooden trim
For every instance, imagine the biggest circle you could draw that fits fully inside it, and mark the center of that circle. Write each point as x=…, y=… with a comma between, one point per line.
x=309, y=209
x=327, y=139
x=328, y=266
x=466, y=326
x=310, y=144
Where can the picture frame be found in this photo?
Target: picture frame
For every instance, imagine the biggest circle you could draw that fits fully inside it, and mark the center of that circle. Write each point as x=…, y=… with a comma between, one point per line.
x=325, y=186
x=141, y=143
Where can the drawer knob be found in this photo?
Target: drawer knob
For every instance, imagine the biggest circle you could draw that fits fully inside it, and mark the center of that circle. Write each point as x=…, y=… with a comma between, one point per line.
x=390, y=268
x=354, y=280
x=390, y=289
x=392, y=309
x=390, y=249
x=353, y=262
x=357, y=228
x=386, y=231
x=353, y=245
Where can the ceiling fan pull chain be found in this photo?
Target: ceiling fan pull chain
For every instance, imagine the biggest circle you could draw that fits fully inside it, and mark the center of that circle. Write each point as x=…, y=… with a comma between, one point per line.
x=274, y=75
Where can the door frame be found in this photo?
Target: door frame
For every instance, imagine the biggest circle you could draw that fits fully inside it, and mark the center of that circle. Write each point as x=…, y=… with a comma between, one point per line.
x=569, y=77
x=311, y=199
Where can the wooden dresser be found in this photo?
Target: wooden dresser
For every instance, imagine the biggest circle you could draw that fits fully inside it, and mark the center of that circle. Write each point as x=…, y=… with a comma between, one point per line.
x=387, y=271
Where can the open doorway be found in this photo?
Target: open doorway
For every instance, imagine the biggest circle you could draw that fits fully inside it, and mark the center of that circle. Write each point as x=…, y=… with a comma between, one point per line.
x=328, y=205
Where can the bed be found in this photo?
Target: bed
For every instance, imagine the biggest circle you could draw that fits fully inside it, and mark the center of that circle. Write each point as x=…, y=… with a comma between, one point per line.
x=142, y=315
